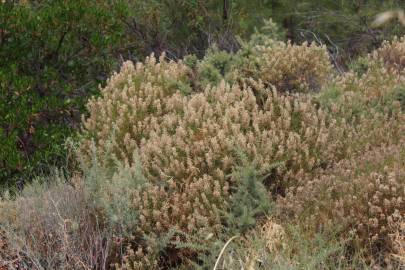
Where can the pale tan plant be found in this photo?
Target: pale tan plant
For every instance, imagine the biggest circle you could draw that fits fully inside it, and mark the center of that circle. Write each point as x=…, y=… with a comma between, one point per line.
x=53, y=227
x=363, y=195
x=387, y=16
x=392, y=55
x=273, y=235
x=385, y=70
x=289, y=67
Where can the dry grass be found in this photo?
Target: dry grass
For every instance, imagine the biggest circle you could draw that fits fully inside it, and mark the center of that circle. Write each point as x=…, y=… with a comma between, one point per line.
x=54, y=227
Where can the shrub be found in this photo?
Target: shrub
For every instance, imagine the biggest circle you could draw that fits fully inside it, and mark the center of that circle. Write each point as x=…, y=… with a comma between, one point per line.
x=267, y=35
x=272, y=245
x=54, y=226
x=363, y=194
x=289, y=67
x=216, y=66
x=81, y=222
x=190, y=141
x=54, y=53
x=187, y=145
x=378, y=73
x=249, y=200
x=392, y=55
x=374, y=83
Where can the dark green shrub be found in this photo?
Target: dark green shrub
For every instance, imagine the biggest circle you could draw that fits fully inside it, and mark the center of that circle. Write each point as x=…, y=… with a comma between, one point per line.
x=250, y=199
x=53, y=55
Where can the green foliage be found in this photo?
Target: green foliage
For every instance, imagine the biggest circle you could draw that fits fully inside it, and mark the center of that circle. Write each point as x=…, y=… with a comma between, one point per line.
x=250, y=199
x=399, y=95
x=112, y=190
x=360, y=66
x=54, y=53
x=215, y=66
x=266, y=35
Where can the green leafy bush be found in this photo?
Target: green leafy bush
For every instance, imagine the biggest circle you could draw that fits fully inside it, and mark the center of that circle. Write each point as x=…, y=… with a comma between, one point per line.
x=54, y=53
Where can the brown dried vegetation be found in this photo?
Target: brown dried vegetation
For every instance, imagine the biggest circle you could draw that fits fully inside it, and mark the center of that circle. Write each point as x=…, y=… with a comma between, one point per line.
x=289, y=67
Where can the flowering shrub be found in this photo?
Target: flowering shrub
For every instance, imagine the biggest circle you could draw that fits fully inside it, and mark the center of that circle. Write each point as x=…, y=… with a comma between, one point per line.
x=289, y=67
x=392, y=55
x=285, y=66
x=148, y=114
x=363, y=194
x=376, y=82
x=187, y=145
x=379, y=72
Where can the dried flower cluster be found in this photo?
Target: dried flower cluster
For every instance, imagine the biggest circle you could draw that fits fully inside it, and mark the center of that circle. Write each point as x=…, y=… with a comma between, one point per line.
x=273, y=235
x=289, y=67
x=392, y=55
x=385, y=69
x=363, y=194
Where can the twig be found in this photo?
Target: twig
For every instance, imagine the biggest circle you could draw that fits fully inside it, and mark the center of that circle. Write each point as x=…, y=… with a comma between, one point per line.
x=334, y=56
x=223, y=250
